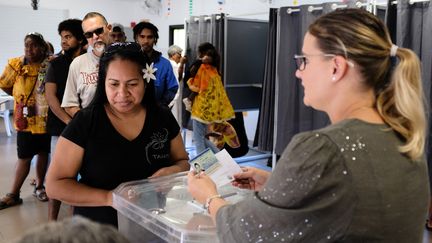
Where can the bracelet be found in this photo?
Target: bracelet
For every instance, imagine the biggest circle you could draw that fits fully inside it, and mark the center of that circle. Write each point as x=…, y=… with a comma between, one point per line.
x=206, y=206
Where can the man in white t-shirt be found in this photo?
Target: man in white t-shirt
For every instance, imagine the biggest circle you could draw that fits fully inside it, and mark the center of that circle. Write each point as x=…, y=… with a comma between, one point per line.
x=83, y=72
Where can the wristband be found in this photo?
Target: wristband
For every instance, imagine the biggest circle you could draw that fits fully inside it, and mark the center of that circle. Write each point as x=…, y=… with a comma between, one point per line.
x=206, y=206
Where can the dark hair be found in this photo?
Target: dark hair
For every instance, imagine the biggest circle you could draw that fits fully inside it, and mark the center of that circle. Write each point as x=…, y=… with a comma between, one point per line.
x=193, y=69
x=40, y=41
x=130, y=51
x=73, y=26
x=50, y=48
x=117, y=29
x=209, y=50
x=145, y=25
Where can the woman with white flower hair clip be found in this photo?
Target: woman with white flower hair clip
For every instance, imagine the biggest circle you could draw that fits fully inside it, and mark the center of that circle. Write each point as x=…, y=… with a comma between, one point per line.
x=123, y=135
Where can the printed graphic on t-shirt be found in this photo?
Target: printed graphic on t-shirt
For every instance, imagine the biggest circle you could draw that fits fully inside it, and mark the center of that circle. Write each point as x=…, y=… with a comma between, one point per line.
x=155, y=149
x=89, y=78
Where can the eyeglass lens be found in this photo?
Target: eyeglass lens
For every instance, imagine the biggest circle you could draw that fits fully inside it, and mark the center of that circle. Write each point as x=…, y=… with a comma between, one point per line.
x=97, y=31
x=300, y=63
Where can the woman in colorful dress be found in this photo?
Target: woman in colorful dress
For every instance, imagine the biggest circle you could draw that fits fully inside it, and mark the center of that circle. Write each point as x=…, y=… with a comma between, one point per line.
x=23, y=78
x=210, y=103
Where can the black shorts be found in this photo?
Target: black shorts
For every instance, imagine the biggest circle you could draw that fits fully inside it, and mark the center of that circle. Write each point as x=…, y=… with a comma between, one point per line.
x=29, y=144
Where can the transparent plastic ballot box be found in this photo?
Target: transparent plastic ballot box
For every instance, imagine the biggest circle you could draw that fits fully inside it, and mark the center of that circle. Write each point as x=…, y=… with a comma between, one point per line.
x=162, y=210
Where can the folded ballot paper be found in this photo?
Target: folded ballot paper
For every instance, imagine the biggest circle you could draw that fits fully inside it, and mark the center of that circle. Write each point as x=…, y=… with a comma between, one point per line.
x=220, y=166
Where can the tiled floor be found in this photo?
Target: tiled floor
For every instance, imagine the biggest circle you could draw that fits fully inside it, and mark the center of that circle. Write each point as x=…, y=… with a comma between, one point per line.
x=16, y=220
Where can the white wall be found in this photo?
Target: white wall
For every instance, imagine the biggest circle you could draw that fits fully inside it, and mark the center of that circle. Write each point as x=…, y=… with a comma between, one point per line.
x=127, y=11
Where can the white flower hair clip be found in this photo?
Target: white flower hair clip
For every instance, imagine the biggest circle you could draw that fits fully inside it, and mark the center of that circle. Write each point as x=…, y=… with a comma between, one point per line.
x=149, y=72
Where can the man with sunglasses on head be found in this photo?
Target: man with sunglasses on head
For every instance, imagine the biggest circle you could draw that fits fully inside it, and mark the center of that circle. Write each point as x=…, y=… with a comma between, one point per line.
x=83, y=72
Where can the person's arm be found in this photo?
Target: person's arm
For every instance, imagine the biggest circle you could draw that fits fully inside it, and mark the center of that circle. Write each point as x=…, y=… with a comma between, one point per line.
x=202, y=188
x=171, y=84
x=61, y=183
x=7, y=79
x=72, y=110
x=251, y=178
x=70, y=100
x=179, y=155
x=180, y=70
x=54, y=103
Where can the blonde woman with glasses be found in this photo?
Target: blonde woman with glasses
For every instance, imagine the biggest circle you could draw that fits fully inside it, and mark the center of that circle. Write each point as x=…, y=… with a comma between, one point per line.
x=361, y=179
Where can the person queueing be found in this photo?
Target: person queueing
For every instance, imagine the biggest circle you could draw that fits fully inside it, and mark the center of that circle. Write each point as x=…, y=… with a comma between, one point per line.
x=166, y=84
x=83, y=72
x=123, y=135
x=361, y=179
x=117, y=34
x=72, y=42
x=23, y=78
x=177, y=62
x=210, y=103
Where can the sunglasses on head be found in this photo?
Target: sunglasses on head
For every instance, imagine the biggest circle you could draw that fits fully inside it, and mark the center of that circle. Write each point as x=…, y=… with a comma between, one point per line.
x=35, y=34
x=117, y=46
x=97, y=32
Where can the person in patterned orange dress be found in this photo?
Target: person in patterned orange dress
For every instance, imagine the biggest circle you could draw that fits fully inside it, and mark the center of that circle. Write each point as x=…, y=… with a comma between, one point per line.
x=211, y=103
x=23, y=78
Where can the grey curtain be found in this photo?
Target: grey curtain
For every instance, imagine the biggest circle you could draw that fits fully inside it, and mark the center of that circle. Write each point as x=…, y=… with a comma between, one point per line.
x=292, y=115
x=414, y=31
x=264, y=132
x=282, y=88
x=200, y=29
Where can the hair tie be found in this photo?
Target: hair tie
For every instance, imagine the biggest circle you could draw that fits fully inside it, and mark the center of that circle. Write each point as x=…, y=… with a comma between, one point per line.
x=393, y=50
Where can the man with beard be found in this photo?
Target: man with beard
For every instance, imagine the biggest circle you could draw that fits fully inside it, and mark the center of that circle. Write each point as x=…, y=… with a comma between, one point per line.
x=83, y=72
x=166, y=84
x=72, y=42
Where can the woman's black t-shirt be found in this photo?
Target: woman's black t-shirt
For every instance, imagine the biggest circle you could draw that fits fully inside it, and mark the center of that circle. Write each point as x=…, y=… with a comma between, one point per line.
x=110, y=159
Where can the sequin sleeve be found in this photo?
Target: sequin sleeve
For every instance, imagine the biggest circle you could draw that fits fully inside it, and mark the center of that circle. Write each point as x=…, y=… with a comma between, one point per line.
x=309, y=198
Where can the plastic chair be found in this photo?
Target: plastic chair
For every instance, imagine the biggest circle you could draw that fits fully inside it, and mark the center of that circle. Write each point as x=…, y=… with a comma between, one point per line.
x=5, y=113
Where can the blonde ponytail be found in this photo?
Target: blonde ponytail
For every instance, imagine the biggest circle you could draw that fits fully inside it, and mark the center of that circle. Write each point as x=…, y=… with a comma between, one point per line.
x=401, y=103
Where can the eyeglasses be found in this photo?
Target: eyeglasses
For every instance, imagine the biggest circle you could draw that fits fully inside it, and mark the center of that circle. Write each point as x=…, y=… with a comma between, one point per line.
x=98, y=31
x=301, y=60
x=117, y=46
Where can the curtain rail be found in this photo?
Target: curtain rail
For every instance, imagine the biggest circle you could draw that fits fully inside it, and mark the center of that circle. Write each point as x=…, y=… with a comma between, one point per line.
x=196, y=19
x=334, y=6
x=411, y=1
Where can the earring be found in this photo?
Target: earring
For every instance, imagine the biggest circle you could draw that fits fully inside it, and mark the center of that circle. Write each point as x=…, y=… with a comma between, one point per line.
x=334, y=78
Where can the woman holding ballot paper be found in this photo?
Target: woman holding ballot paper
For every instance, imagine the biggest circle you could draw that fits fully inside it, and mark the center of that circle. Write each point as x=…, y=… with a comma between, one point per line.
x=361, y=179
